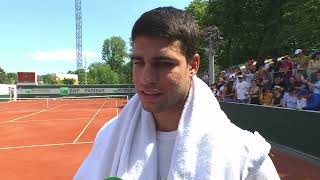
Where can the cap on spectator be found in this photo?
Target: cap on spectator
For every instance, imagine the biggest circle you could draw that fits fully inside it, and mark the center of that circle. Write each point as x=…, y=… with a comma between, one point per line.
x=314, y=54
x=276, y=87
x=240, y=76
x=297, y=51
x=302, y=92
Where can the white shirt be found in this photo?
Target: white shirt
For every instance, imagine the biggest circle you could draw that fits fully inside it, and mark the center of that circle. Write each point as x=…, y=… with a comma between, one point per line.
x=301, y=103
x=316, y=88
x=165, y=146
x=242, y=90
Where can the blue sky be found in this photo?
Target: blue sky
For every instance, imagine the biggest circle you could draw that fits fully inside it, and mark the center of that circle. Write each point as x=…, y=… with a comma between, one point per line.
x=39, y=35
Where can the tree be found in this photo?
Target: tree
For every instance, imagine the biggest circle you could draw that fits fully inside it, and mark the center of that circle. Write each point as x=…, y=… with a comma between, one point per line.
x=7, y=78
x=11, y=78
x=127, y=71
x=67, y=81
x=48, y=79
x=3, y=76
x=197, y=9
x=101, y=73
x=114, y=52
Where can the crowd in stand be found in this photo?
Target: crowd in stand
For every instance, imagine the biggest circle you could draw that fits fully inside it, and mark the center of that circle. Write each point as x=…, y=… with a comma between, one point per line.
x=289, y=82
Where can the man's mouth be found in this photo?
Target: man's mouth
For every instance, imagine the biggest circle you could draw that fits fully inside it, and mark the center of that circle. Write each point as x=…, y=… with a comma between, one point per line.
x=150, y=95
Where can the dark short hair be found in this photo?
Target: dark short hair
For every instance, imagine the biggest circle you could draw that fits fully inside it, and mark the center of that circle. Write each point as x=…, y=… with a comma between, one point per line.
x=172, y=24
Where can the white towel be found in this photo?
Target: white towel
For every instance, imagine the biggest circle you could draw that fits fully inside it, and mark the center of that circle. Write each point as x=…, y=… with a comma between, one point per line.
x=208, y=145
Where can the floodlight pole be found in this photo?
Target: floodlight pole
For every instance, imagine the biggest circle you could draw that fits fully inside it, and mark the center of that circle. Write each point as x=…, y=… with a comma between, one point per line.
x=211, y=61
x=78, y=17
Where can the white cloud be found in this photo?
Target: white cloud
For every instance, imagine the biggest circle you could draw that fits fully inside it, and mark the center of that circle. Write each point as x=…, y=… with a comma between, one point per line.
x=61, y=55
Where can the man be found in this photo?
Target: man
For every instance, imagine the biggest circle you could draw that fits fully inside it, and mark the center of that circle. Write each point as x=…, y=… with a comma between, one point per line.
x=277, y=82
x=301, y=61
x=312, y=101
x=241, y=90
x=286, y=68
x=290, y=98
x=313, y=98
x=302, y=98
x=173, y=127
x=316, y=86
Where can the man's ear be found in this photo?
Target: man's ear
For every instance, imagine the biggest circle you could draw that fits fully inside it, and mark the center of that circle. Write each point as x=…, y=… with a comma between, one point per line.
x=194, y=65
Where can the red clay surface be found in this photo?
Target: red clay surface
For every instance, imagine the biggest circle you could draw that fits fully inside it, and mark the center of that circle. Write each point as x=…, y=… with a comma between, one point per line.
x=50, y=143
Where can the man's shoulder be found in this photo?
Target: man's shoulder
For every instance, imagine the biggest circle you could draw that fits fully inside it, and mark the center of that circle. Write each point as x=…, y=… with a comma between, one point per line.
x=246, y=140
x=107, y=129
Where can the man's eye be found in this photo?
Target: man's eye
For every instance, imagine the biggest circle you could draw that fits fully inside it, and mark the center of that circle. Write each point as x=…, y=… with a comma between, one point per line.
x=166, y=64
x=137, y=62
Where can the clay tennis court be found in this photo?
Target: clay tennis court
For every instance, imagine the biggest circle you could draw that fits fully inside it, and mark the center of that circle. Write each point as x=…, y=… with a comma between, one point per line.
x=48, y=140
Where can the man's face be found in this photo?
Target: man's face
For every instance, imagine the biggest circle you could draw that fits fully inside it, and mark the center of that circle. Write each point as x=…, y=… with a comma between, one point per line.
x=318, y=76
x=161, y=74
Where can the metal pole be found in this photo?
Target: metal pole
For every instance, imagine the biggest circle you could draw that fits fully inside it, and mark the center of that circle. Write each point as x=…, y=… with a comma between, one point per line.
x=211, y=62
x=213, y=73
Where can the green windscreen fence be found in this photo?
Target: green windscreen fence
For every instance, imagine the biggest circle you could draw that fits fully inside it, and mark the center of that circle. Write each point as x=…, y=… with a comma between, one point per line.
x=78, y=90
x=292, y=128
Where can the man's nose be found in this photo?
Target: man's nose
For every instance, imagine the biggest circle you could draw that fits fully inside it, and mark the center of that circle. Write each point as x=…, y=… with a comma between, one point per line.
x=149, y=74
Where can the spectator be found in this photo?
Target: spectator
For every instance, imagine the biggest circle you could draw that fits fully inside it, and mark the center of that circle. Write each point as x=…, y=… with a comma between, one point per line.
x=257, y=76
x=286, y=68
x=315, y=87
x=299, y=84
x=302, y=101
x=248, y=76
x=277, y=82
x=227, y=95
x=266, y=97
x=291, y=83
x=260, y=63
x=254, y=92
x=313, y=101
x=250, y=61
x=275, y=64
x=313, y=65
x=266, y=80
x=290, y=99
x=253, y=69
x=232, y=73
x=215, y=90
x=222, y=75
x=241, y=90
x=301, y=61
x=277, y=96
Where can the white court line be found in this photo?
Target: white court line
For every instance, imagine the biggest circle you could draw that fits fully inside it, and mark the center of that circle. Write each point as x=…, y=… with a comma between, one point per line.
x=89, y=123
x=43, y=145
x=74, y=109
x=41, y=120
x=30, y=110
x=58, y=106
x=27, y=115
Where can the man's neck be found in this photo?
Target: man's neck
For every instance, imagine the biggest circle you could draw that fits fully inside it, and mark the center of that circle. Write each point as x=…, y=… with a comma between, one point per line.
x=167, y=121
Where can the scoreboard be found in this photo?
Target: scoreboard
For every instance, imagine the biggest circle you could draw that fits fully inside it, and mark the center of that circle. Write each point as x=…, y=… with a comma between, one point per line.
x=27, y=78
